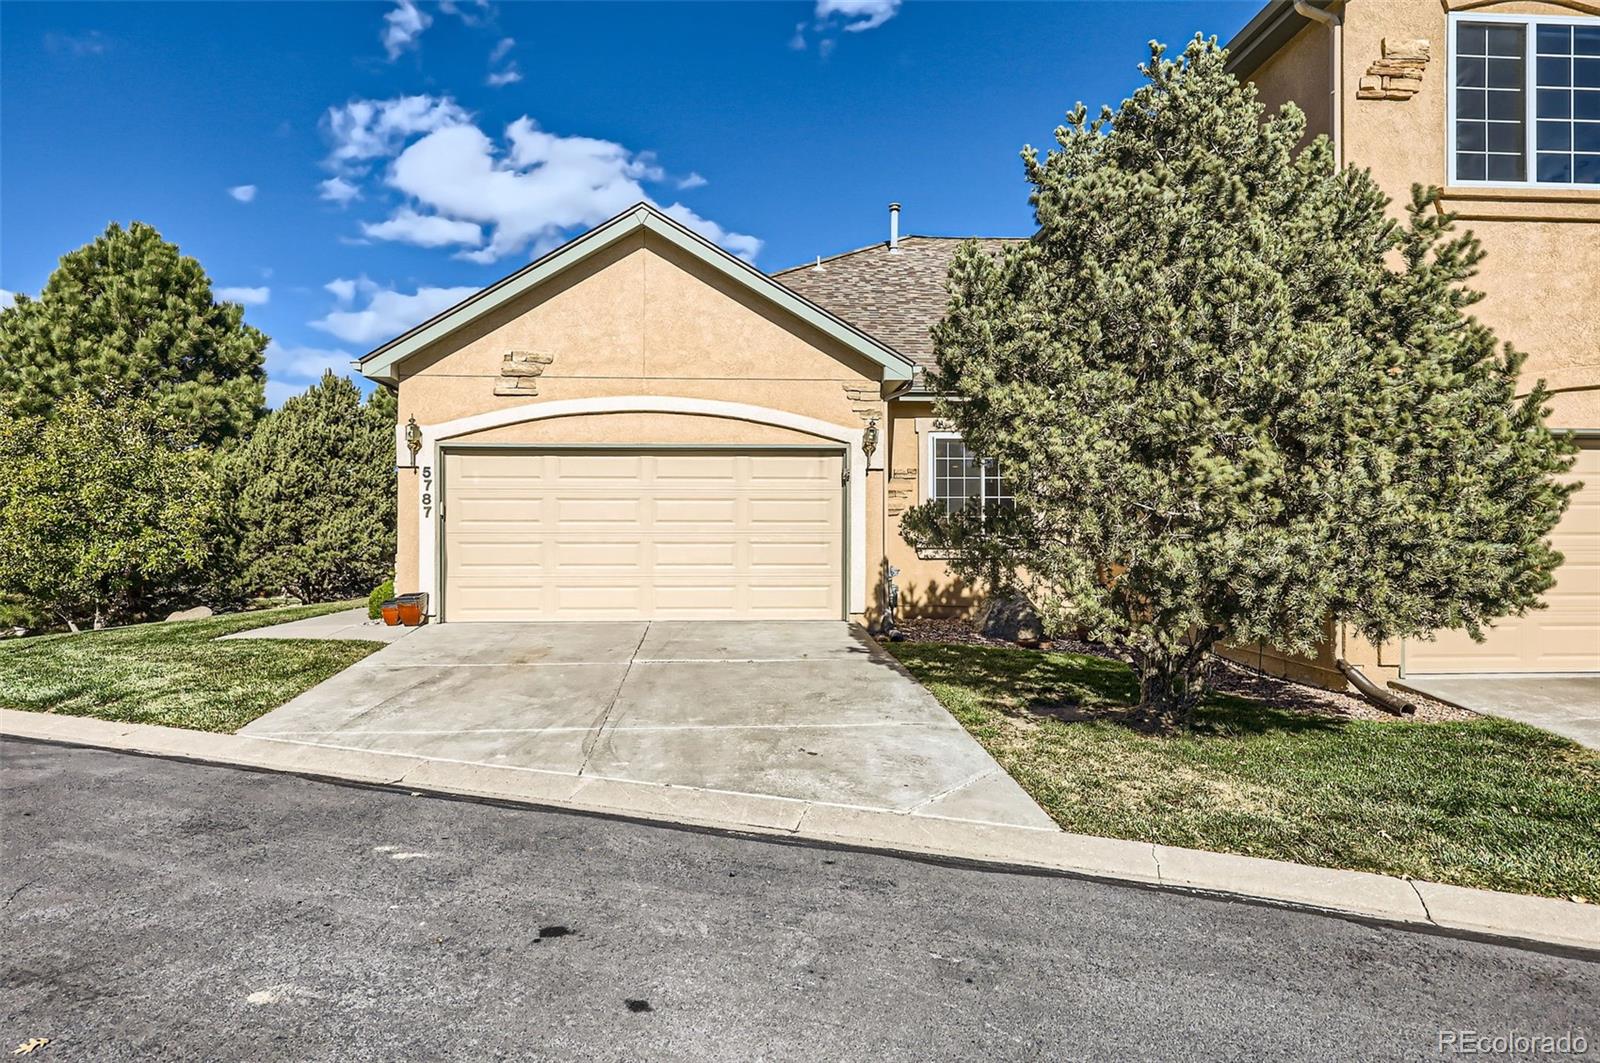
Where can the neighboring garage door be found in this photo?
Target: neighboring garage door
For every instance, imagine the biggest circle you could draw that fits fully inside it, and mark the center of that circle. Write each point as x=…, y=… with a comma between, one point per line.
x=1565, y=637
x=643, y=534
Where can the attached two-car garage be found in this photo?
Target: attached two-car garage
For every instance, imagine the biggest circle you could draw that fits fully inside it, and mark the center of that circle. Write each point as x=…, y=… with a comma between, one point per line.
x=613, y=533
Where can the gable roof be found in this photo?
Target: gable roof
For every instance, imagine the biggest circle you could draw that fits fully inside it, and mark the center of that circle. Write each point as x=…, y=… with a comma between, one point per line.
x=897, y=296
x=382, y=363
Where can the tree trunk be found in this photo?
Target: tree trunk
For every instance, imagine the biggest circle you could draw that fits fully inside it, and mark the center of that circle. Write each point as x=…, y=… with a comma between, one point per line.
x=1172, y=684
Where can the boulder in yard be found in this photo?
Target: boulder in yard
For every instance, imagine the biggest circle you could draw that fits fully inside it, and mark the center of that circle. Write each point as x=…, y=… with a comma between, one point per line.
x=1012, y=617
x=199, y=612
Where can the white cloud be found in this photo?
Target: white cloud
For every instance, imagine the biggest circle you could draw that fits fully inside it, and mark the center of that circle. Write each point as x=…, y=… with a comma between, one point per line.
x=306, y=362
x=371, y=129
x=7, y=298
x=402, y=27
x=244, y=296
x=290, y=370
x=469, y=18
x=338, y=190
x=92, y=43
x=243, y=193
x=509, y=76
x=502, y=49
x=344, y=289
x=746, y=247
x=388, y=313
x=858, y=15
x=425, y=230
x=492, y=199
x=281, y=391
x=533, y=189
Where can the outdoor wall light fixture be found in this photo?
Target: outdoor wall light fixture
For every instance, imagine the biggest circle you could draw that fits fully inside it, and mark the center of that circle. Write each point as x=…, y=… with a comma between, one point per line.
x=869, y=438
x=413, y=439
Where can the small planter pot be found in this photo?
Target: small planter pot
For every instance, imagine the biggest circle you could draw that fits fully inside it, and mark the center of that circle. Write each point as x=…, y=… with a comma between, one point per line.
x=390, y=611
x=413, y=609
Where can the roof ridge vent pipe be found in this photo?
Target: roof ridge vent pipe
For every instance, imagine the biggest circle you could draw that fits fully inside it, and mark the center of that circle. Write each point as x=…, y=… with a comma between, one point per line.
x=1335, y=25
x=894, y=228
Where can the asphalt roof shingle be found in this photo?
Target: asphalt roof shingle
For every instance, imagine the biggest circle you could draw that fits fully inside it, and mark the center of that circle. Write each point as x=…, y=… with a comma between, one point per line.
x=896, y=297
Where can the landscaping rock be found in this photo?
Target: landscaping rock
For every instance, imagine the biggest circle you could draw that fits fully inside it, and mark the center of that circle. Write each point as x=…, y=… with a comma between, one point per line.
x=199, y=612
x=1013, y=618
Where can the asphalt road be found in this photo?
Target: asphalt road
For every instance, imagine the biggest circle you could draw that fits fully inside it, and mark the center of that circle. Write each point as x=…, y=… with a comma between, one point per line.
x=153, y=908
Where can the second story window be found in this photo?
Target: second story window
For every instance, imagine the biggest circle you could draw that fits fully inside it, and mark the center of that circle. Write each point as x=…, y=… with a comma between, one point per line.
x=1525, y=101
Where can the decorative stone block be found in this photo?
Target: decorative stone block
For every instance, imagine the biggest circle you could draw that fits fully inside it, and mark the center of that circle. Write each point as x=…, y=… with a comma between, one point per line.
x=1398, y=74
x=524, y=363
x=1402, y=48
x=517, y=387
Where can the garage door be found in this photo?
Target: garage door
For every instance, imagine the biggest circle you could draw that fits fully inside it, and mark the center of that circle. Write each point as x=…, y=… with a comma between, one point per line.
x=1562, y=638
x=646, y=534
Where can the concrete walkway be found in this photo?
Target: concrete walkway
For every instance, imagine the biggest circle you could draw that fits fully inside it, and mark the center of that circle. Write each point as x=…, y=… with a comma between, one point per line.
x=1567, y=705
x=349, y=624
x=806, y=711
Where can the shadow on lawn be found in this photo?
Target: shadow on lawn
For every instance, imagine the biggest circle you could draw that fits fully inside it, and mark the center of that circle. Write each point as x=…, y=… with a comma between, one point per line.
x=1077, y=688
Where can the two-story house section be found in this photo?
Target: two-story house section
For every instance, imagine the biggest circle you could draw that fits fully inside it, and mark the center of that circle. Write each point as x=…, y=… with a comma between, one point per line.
x=1498, y=103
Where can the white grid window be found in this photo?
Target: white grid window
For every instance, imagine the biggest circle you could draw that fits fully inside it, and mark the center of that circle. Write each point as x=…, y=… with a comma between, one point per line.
x=1525, y=100
x=958, y=478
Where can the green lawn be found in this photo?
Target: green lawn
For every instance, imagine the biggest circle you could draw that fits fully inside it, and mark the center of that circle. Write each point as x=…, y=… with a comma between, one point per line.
x=1486, y=803
x=173, y=673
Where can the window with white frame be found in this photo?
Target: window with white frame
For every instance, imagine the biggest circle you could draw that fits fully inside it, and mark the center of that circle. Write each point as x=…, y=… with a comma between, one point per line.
x=959, y=478
x=1525, y=100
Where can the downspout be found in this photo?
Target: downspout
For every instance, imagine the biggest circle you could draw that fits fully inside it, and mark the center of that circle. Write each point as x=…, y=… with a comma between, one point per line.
x=1385, y=699
x=1335, y=89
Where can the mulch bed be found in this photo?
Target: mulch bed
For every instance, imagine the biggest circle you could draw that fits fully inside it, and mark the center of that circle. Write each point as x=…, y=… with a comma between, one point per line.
x=1229, y=677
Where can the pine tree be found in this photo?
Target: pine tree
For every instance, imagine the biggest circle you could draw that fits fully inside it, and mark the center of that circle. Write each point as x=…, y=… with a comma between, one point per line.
x=314, y=495
x=1234, y=399
x=128, y=315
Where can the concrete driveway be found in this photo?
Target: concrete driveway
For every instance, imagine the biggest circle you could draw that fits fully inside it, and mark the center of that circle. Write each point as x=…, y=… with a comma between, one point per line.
x=813, y=711
x=1568, y=704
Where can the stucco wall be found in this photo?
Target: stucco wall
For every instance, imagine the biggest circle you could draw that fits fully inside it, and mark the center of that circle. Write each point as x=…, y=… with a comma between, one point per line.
x=1301, y=71
x=640, y=318
x=1543, y=245
x=927, y=589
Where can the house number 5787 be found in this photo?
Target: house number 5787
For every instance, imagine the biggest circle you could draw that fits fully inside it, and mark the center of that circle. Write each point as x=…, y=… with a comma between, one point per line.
x=427, y=490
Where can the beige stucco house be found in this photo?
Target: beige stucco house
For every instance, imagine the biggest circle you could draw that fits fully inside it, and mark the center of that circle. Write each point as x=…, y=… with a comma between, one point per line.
x=1498, y=103
x=639, y=424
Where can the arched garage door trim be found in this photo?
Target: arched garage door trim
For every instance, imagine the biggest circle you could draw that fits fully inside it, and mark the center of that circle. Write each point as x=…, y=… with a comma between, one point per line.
x=433, y=436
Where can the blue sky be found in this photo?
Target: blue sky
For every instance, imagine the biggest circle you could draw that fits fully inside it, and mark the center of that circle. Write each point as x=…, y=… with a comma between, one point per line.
x=347, y=169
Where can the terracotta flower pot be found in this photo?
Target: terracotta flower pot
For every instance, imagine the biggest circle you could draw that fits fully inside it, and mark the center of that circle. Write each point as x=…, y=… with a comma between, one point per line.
x=390, y=611
x=410, y=612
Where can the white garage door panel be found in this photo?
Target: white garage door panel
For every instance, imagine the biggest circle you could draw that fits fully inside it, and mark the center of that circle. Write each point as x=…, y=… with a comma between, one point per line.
x=621, y=535
x=1565, y=636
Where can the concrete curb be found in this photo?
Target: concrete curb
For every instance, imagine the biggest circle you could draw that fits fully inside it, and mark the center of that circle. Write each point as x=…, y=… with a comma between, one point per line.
x=1418, y=905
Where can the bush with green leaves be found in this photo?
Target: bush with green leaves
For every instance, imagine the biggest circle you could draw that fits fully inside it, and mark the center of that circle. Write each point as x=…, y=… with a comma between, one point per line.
x=1235, y=399
x=380, y=594
x=105, y=507
x=126, y=316
x=313, y=495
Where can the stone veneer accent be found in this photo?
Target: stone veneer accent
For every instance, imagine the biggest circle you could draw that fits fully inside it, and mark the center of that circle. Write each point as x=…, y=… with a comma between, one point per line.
x=1398, y=75
x=519, y=371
